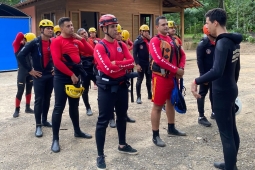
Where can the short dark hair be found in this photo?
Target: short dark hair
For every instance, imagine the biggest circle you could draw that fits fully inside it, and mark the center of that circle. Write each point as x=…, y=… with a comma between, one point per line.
x=159, y=18
x=62, y=20
x=217, y=14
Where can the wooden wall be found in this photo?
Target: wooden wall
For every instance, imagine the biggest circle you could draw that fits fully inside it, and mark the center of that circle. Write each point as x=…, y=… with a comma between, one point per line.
x=127, y=11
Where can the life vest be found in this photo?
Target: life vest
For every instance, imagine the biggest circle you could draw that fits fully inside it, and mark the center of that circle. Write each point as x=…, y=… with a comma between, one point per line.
x=167, y=53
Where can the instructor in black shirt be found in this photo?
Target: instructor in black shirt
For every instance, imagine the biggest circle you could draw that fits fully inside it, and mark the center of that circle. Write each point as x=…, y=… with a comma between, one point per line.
x=223, y=75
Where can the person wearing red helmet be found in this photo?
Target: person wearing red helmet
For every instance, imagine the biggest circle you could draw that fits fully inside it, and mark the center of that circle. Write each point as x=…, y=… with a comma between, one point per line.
x=205, y=51
x=112, y=63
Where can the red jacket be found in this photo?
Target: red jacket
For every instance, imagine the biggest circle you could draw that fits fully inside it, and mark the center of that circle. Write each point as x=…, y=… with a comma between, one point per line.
x=16, y=43
x=70, y=46
x=122, y=57
x=93, y=41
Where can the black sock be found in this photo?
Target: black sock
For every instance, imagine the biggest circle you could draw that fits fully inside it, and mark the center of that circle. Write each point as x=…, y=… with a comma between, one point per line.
x=171, y=126
x=155, y=133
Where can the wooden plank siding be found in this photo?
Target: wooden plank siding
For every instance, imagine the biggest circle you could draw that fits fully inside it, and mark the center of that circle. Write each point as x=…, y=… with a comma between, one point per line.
x=124, y=10
x=51, y=6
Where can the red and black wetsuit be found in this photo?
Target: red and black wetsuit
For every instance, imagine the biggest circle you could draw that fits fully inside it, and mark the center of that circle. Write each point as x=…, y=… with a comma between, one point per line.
x=224, y=75
x=23, y=77
x=112, y=87
x=71, y=48
x=43, y=86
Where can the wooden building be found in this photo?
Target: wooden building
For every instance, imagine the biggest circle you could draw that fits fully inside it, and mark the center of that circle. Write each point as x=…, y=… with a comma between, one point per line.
x=86, y=13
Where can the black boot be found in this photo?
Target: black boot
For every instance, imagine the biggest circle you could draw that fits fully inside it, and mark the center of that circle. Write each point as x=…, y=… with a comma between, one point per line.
x=130, y=120
x=38, y=131
x=149, y=95
x=139, y=101
x=55, y=146
x=28, y=109
x=81, y=134
x=47, y=124
x=16, y=113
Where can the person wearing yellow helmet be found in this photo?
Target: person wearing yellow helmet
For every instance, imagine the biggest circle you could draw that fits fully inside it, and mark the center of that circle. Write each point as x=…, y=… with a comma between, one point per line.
x=57, y=30
x=24, y=79
x=119, y=33
x=125, y=38
x=141, y=56
x=93, y=40
x=42, y=72
x=172, y=31
x=66, y=50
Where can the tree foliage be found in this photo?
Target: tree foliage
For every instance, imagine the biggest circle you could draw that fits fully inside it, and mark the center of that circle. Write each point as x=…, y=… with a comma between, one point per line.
x=10, y=2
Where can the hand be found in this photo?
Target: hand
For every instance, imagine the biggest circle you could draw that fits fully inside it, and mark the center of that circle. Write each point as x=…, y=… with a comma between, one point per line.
x=52, y=72
x=74, y=79
x=138, y=68
x=178, y=76
x=113, y=62
x=180, y=72
x=76, y=36
x=35, y=74
x=194, y=90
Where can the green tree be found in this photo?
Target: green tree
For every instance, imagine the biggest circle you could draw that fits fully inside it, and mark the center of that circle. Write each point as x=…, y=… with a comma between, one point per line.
x=10, y=2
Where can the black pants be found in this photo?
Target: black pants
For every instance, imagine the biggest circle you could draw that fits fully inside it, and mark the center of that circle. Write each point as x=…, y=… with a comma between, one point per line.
x=203, y=90
x=60, y=102
x=107, y=101
x=43, y=87
x=224, y=109
x=86, y=84
x=24, y=79
x=147, y=72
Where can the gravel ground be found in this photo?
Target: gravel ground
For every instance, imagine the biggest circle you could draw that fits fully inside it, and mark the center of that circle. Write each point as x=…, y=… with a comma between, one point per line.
x=20, y=149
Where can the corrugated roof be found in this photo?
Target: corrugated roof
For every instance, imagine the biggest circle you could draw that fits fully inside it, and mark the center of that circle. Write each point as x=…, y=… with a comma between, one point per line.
x=6, y=10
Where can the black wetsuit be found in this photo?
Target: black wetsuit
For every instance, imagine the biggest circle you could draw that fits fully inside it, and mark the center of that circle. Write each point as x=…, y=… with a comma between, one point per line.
x=224, y=76
x=205, y=51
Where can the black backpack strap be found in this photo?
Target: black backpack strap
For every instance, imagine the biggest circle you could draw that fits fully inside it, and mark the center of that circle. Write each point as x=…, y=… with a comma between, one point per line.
x=178, y=50
x=106, y=49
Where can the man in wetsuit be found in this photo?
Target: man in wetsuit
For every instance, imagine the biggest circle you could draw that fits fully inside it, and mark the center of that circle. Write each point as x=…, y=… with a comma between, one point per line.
x=23, y=77
x=224, y=76
x=66, y=50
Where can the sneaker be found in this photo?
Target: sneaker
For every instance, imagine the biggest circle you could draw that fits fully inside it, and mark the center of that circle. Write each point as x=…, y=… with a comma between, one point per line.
x=89, y=112
x=212, y=116
x=128, y=150
x=175, y=132
x=158, y=142
x=219, y=165
x=112, y=123
x=139, y=101
x=164, y=108
x=101, y=162
x=203, y=121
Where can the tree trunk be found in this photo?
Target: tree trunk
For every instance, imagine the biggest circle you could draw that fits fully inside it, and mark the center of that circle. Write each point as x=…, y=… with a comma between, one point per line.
x=221, y=4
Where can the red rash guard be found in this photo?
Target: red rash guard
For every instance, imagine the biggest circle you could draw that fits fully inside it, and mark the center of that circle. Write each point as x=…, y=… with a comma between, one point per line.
x=91, y=41
x=122, y=57
x=156, y=54
x=45, y=52
x=71, y=47
x=16, y=43
x=130, y=44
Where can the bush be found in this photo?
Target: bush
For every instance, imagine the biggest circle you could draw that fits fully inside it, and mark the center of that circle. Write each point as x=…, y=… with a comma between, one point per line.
x=251, y=39
x=245, y=37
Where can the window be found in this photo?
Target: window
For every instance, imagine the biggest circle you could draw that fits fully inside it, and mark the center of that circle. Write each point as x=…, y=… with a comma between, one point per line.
x=51, y=16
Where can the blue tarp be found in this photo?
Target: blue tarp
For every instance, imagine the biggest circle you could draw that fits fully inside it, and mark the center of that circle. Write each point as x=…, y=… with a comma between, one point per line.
x=8, y=32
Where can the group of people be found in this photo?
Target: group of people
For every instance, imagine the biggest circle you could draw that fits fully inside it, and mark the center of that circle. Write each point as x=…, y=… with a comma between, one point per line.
x=69, y=61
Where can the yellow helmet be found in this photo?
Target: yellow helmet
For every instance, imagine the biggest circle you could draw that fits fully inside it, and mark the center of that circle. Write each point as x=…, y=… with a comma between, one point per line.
x=144, y=27
x=29, y=36
x=46, y=23
x=125, y=35
x=73, y=91
x=92, y=29
x=171, y=24
x=56, y=29
x=119, y=29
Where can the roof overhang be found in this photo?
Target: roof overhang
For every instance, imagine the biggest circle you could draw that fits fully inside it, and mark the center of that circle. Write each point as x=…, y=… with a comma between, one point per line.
x=7, y=11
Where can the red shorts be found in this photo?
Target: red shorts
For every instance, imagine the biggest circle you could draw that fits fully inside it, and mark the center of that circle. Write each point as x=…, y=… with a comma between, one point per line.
x=161, y=89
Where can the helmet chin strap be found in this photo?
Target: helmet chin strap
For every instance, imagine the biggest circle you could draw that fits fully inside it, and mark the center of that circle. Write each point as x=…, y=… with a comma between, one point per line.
x=108, y=33
x=42, y=32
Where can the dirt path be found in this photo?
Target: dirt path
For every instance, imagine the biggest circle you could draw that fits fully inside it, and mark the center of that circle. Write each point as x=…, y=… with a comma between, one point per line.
x=19, y=149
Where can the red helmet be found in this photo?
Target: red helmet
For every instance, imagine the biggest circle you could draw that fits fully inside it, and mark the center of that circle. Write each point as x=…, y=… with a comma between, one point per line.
x=107, y=19
x=205, y=30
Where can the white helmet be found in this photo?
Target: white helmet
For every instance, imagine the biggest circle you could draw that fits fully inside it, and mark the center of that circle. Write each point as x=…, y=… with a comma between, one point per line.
x=238, y=106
